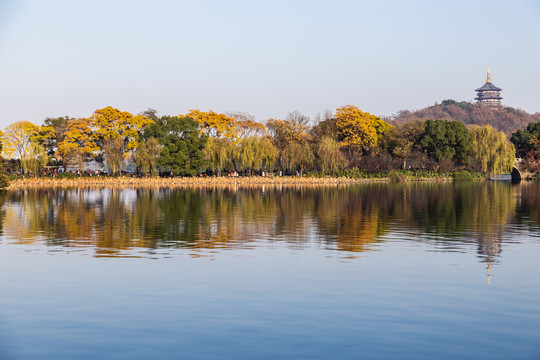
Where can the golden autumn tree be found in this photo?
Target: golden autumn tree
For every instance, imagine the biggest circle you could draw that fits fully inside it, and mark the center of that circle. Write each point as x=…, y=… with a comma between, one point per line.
x=44, y=136
x=359, y=130
x=78, y=144
x=247, y=126
x=112, y=123
x=52, y=133
x=285, y=132
x=215, y=125
x=18, y=140
x=117, y=134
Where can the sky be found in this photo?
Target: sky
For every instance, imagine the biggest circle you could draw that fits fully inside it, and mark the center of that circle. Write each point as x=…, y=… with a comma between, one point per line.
x=266, y=58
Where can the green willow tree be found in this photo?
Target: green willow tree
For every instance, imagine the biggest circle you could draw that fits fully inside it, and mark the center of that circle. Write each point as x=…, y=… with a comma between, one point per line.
x=113, y=149
x=218, y=154
x=34, y=159
x=266, y=154
x=298, y=156
x=292, y=137
x=245, y=154
x=146, y=156
x=330, y=158
x=255, y=153
x=492, y=149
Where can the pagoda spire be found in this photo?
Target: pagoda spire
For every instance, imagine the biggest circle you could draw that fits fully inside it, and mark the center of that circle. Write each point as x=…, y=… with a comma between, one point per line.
x=488, y=76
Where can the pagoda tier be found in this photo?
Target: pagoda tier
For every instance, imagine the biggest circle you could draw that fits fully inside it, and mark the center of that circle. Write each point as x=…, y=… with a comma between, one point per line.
x=489, y=94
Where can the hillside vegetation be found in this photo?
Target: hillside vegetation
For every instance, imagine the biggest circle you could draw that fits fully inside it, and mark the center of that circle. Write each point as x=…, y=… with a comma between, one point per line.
x=505, y=119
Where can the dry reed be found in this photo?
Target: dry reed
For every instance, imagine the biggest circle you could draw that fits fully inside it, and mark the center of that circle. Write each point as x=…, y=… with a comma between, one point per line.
x=176, y=182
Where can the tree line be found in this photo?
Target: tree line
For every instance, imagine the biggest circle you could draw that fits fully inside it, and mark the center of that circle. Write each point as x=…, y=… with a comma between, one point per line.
x=345, y=142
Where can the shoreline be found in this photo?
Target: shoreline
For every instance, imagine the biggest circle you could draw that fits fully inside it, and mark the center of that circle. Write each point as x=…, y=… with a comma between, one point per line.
x=179, y=182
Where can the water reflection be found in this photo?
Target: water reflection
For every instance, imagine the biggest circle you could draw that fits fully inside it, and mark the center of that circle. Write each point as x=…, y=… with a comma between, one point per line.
x=114, y=222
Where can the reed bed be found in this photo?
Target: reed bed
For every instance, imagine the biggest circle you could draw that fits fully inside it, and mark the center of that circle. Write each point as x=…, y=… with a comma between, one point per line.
x=177, y=182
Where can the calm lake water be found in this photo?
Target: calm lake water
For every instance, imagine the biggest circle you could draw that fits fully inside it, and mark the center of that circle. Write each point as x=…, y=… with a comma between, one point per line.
x=375, y=271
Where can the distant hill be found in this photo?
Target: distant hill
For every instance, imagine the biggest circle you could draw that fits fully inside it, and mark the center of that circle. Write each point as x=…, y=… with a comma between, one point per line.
x=506, y=119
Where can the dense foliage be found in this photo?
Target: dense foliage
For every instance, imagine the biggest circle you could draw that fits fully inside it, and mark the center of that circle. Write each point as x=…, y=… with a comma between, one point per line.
x=444, y=139
x=349, y=142
x=527, y=143
x=182, y=145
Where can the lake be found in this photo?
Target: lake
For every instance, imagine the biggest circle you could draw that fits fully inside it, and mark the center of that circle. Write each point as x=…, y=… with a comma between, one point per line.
x=371, y=271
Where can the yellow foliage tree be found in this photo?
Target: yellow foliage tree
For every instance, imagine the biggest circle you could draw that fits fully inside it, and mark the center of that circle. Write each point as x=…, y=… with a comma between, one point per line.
x=113, y=123
x=47, y=138
x=78, y=144
x=359, y=130
x=215, y=125
x=284, y=131
x=247, y=126
x=43, y=133
x=17, y=139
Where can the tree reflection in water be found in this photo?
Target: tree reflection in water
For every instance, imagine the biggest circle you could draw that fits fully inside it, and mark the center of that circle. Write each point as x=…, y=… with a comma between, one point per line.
x=352, y=218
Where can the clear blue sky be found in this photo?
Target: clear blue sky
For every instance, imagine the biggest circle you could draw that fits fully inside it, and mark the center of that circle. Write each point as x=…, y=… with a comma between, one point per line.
x=267, y=58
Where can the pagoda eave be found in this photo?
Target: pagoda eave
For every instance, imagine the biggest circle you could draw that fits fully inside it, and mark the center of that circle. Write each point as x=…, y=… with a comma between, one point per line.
x=479, y=97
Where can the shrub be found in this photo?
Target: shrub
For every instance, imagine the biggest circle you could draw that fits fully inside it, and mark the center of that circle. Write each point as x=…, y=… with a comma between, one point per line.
x=398, y=176
x=427, y=174
x=353, y=173
x=466, y=175
x=67, y=175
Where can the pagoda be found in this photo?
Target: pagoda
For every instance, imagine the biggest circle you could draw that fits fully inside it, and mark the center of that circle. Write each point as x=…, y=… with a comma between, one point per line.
x=489, y=94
